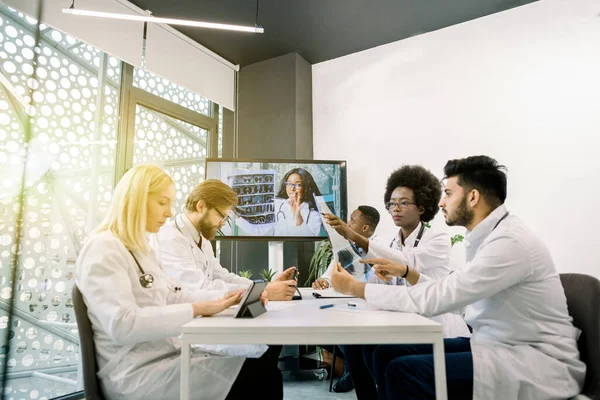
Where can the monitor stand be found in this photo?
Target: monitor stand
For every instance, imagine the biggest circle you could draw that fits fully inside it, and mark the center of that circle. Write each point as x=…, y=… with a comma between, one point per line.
x=292, y=362
x=276, y=258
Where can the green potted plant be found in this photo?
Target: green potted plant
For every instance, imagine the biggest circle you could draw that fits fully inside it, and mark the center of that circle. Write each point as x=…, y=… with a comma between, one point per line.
x=267, y=274
x=456, y=239
x=319, y=261
x=246, y=273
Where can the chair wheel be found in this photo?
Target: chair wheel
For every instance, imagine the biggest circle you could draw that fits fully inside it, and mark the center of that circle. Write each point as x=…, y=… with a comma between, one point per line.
x=322, y=375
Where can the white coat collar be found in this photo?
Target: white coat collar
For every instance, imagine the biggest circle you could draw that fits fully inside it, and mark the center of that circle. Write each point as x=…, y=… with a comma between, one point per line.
x=409, y=242
x=187, y=226
x=485, y=227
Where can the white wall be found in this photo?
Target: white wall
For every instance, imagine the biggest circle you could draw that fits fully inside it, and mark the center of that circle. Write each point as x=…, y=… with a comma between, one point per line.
x=522, y=86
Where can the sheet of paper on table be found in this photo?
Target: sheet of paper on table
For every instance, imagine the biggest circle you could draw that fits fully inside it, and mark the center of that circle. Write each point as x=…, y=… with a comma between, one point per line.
x=330, y=293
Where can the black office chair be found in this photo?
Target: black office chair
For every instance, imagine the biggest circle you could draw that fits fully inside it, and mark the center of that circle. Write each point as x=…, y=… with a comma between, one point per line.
x=583, y=299
x=87, y=349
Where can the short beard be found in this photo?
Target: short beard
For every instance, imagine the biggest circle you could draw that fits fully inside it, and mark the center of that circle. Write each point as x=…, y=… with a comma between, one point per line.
x=463, y=216
x=206, y=230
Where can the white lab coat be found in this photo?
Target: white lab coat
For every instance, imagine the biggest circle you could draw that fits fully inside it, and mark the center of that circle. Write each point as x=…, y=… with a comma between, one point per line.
x=135, y=328
x=285, y=222
x=194, y=267
x=524, y=344
x=432, y=256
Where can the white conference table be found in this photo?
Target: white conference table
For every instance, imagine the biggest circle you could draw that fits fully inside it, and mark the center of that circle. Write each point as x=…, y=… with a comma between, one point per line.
x=303, y=322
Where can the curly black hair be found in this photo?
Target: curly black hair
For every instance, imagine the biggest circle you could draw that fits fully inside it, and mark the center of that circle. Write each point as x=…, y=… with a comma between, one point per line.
x=426, y=187
x=310, y=187
x=482, y=173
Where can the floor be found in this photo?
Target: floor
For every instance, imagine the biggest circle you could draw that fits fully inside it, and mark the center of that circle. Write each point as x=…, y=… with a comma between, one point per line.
x=312, y=390
x=308, y=384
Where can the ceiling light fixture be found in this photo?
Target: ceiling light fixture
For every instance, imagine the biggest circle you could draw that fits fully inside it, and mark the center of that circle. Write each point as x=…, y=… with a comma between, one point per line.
x=169, y=21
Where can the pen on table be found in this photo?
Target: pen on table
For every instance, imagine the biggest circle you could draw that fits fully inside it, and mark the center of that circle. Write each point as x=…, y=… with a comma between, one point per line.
x=326, y=306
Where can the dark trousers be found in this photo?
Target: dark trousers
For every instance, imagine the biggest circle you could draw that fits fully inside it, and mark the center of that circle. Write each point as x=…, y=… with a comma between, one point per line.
x=406, y=371
x=259, y=378
x=364, y=385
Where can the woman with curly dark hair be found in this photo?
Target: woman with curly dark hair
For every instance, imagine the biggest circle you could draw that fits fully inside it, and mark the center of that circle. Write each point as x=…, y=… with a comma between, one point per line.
x=411, y=197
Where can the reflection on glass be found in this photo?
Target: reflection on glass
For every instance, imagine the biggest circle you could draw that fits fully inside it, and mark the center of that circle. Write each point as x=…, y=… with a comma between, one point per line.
x=70, y=173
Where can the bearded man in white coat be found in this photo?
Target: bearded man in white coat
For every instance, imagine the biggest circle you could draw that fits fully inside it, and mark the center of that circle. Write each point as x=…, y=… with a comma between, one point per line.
x=183, y=245
x=524, y=344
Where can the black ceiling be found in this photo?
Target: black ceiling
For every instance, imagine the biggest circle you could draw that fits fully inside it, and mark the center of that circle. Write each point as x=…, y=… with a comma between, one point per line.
x=318, y=30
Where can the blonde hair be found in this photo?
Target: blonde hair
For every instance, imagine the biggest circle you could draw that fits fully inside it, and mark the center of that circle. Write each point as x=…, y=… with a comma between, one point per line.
x=126, y=217
x=214, y=193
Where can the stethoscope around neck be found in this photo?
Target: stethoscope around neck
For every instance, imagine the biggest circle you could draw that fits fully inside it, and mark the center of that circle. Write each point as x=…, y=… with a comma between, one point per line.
x=147, y=280
x=283, y=213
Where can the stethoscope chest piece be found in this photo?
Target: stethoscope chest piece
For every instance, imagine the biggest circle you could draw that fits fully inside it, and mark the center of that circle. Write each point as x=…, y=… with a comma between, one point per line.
x=146, y=280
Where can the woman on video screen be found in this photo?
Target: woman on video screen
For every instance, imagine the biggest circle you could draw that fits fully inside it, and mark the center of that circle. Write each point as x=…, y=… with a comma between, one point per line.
x=296, y=212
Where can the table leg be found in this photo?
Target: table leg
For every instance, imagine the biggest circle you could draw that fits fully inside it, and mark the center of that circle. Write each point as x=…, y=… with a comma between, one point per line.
x=185, y=370
x=439, y=367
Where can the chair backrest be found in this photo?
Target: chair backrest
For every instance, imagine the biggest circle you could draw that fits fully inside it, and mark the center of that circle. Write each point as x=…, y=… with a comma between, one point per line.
x=583, y=299
x=87, y=350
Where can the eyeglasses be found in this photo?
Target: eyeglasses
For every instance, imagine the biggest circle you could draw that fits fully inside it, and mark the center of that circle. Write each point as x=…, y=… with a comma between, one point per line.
x=390, y=205
x=296, y=186
x=224, y=217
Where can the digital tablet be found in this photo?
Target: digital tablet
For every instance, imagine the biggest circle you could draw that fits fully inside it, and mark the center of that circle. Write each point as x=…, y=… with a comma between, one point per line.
x=250, y=305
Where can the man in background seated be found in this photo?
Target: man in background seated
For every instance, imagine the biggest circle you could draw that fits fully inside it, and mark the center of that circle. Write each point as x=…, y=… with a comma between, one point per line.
x=183, y=244
x=363, y=221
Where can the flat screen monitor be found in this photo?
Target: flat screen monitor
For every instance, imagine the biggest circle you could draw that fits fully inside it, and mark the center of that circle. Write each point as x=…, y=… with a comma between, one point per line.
x=276, y=197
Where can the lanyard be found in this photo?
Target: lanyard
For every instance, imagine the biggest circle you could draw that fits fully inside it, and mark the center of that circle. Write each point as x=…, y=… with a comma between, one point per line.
x=417, y=240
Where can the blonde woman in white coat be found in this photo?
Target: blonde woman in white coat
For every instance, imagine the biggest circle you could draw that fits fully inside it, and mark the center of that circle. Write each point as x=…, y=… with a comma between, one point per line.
x=137, y=313
x=524, y=344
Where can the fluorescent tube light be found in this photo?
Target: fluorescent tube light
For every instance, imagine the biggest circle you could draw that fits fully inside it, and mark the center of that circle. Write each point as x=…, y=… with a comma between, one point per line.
x=169, y=21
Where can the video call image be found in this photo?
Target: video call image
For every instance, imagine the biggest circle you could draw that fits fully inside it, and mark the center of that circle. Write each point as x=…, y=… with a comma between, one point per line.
x=276, y=199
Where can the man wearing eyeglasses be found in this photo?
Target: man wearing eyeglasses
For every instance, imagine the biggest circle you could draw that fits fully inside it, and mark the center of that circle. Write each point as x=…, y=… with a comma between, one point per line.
x=183, y=244
x=411, y=197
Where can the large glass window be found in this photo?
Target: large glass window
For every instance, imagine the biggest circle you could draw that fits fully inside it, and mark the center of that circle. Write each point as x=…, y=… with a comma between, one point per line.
x=79, y=146
x=69, y=183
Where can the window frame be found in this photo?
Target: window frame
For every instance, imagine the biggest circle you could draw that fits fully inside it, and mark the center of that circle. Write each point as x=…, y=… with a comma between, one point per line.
x=131, y=97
